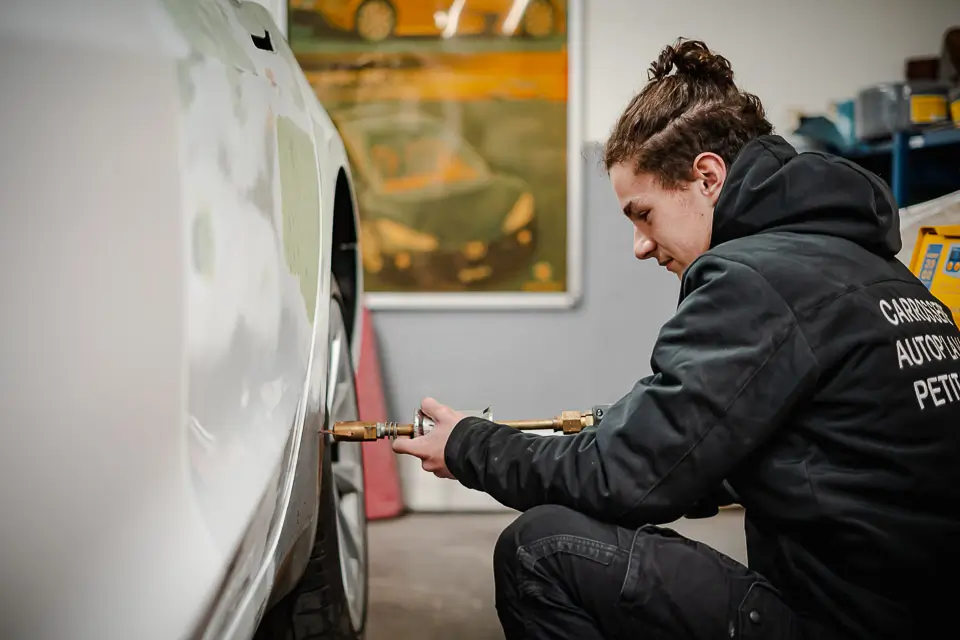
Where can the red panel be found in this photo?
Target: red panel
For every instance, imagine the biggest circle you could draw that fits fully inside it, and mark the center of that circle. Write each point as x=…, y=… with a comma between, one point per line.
x=383, y=496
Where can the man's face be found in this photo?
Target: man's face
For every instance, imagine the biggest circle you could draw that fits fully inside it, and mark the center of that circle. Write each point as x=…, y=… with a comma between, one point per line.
x=671, y=225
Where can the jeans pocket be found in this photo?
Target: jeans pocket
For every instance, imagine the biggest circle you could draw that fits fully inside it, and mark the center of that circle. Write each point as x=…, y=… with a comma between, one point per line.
x=546, y=561
x=763, y=614
x=662, y=562
x=678, y=587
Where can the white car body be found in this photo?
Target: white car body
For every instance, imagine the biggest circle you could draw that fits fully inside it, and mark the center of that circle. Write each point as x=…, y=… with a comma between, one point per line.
x=168, y=199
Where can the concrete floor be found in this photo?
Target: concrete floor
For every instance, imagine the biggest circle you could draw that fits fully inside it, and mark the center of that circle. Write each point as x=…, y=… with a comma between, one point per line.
x=444, y=588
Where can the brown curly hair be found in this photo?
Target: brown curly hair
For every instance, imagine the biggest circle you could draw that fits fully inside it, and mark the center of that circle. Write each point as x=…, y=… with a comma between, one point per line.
x=676, y=117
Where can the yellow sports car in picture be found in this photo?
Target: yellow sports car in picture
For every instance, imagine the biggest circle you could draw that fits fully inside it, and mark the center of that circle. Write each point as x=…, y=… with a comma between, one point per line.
x=434, y=215
x=376, y=20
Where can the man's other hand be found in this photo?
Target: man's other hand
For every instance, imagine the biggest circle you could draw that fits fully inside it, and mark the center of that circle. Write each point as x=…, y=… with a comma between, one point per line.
x=430, y=448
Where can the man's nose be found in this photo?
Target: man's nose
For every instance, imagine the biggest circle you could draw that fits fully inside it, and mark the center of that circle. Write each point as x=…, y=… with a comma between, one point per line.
x=643, y=247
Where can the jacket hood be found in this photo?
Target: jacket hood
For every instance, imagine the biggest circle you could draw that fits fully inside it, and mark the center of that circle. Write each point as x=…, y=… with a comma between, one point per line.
x=771, y=187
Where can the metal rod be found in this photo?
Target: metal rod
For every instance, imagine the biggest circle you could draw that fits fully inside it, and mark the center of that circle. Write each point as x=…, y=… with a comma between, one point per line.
x=532, y=424
x=357, y=431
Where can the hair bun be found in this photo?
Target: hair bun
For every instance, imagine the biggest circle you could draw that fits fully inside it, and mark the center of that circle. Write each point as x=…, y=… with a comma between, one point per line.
x=693, y=60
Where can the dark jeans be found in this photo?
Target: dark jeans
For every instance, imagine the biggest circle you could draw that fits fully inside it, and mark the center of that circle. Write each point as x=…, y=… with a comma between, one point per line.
x=561, y=574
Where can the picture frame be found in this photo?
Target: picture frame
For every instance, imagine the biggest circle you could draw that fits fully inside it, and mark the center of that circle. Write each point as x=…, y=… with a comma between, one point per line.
x=450, y=120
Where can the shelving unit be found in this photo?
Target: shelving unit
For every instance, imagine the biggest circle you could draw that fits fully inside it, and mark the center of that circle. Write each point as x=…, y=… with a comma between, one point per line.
x=908, y=168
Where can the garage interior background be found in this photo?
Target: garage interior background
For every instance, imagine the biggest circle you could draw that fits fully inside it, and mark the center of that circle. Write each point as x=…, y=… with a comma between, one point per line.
x=795, y=56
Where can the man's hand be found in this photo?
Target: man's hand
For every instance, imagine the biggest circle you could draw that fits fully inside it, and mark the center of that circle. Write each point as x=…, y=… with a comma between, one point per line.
x=429, y=448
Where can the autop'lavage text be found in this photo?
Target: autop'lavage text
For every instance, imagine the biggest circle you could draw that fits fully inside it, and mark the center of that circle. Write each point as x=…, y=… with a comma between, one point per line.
x=927, y=348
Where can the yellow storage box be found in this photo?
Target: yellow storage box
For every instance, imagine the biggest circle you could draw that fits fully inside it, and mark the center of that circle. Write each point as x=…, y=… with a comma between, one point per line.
x=936, y=261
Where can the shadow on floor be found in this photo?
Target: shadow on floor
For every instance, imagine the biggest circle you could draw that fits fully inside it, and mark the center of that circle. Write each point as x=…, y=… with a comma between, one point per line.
x=431, y=575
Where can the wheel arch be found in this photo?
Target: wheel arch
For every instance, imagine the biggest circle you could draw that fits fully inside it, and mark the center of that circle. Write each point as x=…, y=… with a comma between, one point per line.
x=345, y=265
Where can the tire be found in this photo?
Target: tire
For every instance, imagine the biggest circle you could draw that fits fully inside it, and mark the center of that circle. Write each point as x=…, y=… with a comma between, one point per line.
x=369, y=13
x=319, y=607
x=539, y=21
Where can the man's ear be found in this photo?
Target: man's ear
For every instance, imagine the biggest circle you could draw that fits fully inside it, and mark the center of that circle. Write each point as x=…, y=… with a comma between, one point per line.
x=710, y=172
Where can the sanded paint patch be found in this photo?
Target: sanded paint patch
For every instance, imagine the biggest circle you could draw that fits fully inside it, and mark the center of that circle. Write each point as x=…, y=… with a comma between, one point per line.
x=300, y=204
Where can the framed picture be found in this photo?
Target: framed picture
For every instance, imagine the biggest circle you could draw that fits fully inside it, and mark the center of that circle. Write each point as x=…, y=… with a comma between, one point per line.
x=462, y=122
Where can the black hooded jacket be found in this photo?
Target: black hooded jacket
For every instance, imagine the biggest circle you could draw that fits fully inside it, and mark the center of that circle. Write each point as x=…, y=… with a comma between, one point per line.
x=807, y=367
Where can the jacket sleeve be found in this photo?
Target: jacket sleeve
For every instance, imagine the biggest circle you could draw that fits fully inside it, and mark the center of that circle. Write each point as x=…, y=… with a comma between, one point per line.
x=726, y=370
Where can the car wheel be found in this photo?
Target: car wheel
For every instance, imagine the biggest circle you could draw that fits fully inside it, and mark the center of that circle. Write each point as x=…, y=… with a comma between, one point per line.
x=375, y=20
x=539, y=19
x=330, y=601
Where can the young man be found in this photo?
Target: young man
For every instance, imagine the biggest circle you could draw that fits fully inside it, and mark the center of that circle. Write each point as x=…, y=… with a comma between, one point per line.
x=805, y=366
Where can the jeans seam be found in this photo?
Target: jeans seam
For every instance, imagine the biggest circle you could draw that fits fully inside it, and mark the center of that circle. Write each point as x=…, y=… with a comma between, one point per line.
x=739, y=612
x=545, y=547
x=626, y=576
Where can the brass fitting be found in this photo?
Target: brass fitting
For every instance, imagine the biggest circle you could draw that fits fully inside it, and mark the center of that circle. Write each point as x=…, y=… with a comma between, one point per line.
x=356, y=431
x=571, y=421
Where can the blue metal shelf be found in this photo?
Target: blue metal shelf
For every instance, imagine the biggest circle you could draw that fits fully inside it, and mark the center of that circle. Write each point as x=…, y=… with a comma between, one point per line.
x=899, y=148
x=927, y=139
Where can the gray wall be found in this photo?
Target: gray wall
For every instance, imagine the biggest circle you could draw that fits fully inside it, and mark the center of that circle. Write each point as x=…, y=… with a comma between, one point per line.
x=475, y=359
